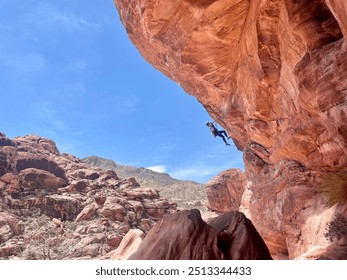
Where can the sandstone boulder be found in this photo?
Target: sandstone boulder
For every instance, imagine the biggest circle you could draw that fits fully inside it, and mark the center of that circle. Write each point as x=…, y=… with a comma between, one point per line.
x=12, y=247
x=224, y=192
x=180, y=236
x=113, y=211
x=56, y=206
x=34, y=143
x=33, y=180
x=128, y=246
x=185, y=236
x=4, y=141
x=238, y=239
x=90, y=245
x=25, y=160
x=88, y=212
x=10, y=226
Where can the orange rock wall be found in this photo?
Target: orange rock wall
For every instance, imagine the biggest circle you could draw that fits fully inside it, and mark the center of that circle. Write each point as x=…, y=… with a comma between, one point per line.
x=273, y=73
x=265, y=70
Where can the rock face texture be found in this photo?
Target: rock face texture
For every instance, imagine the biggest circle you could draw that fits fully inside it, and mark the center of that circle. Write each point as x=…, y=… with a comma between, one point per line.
x=130, y=244
x=265, y=70
x=54, y=206
x=224, y=192
x=273, y=74
x=185, y=236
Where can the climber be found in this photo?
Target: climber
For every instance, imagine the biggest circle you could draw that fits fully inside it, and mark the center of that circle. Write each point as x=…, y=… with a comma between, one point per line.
x=215, y=132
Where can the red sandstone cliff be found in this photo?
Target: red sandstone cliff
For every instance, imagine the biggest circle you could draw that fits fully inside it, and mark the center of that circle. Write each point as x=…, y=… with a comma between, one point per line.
x=273, y=74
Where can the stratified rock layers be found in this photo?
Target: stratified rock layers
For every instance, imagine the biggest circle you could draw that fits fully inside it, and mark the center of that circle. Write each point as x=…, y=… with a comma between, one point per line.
x=273, y=74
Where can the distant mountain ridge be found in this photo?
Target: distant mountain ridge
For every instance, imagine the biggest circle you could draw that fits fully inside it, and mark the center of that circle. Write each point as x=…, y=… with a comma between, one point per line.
x=187, y=194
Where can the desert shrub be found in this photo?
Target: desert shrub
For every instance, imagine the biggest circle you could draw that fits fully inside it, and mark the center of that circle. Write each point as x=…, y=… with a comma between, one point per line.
x=71, y=226
x=334, y=187
x=337, y=228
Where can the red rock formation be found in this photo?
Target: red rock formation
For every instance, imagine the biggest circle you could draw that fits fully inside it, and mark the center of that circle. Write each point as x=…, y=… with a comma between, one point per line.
x=130, y=243
x=224, y=192
x=249, y=63
x=273, y=74
x=54, y=206
x=185, y=236
x=180, y=236
x=10, y=226
x=238, y=239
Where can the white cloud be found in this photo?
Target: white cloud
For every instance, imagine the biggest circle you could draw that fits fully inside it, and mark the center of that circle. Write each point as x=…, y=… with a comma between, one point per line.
x=194, y=172
x=49, y=118
x=121, y=105
x=204, y=167
x=158, y=168
x=46, y=15
x=67, y=92
x=165, y=152
x=200, y=173
x=23, y=64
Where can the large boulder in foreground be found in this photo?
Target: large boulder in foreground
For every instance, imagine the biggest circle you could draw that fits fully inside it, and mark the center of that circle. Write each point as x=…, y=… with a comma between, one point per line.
x=238, y=239
x=185, y=236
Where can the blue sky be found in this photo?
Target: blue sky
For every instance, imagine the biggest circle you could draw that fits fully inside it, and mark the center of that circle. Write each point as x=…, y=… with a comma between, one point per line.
x=69, y=72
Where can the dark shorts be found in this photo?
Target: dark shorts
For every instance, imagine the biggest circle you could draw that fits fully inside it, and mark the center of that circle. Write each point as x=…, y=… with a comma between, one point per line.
x=215, y=133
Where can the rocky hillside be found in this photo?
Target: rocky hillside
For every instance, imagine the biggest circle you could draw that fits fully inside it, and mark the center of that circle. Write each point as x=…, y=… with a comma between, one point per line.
x=187, y=194
x=54, y=206
x=273, y=74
